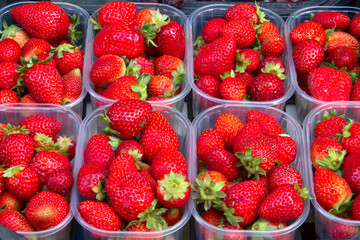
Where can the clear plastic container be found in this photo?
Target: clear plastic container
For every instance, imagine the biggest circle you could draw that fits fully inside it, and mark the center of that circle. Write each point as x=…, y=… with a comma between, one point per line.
x=71, y=9
x=206, y=120
x=70, y=122
x=323, y=219
x=304, y=102
x=196, y=22
x=92, y=126
x=97, y=100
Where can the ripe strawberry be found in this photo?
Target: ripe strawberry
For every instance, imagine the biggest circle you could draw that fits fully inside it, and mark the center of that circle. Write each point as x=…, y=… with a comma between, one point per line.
x=338, y=230
x=327, y=153
x=354, y=26
x=168, y=66
x=285, y=174
x=213, y=217
x=287, y=148
x=122, y=89
x=121, y=38
x=9, y=51
x=114, y=11
x=166, y=161
x=307, y=30
x=355, y=92
x=266, y=87
x=242, y=30
x=212, y=29
x=330, y=126
x=228, y=126
x=21, y=181
x=248, y=133
x=351, y=171
x=263, y=225
x=267, y=29
x=338, y=39
x=282, y=205
x=343, y=57
x=208, y=140
x=123, y=160
x=209, y=85
x=72, y=86
x=68, y=58
x=171, y=40
x=232, y=88
x=172, y=216
x=26, y=99
x=351, y=135
x=332, y=20
x=323, y=82
x=146, y=66
x=160, y=86
x=215, y=177
x=144, y=16
x=41, y=124
x=107, y=69
x=128, y=117
x=247, y=60
x=8, y=75
x=2, y=183
x=46, y=209
x=90, y=181
x=60, y=181
x=158, y=135
x=98, y=150
x=242, y=11
x=35, y=46
x=332, y=191
x=216, y=58
x=14, y=32
x=131, y=147
x=15, y=221
x=43, y=57
x=269, y=126
x=356, y=208
x=273, y=65
x=264, y=182
x=11, y=202
x=273, y=45
x=223, y=161
x=173, y=190
x=16, y=149
x=246, y=78
x=308, y=55
x=8, y=96
x=232, y=236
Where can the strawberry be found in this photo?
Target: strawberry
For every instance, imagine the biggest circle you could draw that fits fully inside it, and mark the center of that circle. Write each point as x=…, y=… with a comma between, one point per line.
x=60, y=181
x=356, y=208
x=285, y=174
x=355, y=92
x=44, y=57
x=160, y=85
x=332, y=20
x=22, y=181
x=121, y=38
x=172, y=216
x=354, y=26
x=9, y=51
x=127, y=118
x=247, y=60
x=308, y=55
x=173, y=190
x=337, y=39
x=35, y=46
x=68, y=58
x=246, y=78
x=8, y=96
x=132, y=147
x=47, y=20
x=332, y=191
x=46, y=209
x=114, y=11
x=98, y=150
x=216, y=58
x=223, y=161
x=100, y=215
x=242, y=30
x=263, y=225
x=123, y=160
x=8, y=75
x=228, y=126
x=11, y=202
x=26, y=99
x=209, y=85
x=208, y=140
x=242, y=11
x=2, y=183
x=72, y=86
x=273, y=65
x=14, y=32
x=144, y=16
x=287, y=148
x=166, y=161
x=107, y=69
x=267, y=29
x=273, y=45
x=232, y=236
x=307, y=30
x=248, y=133
x=325, y=81
x=171, y=40
x=146, y=66
x=282, y=205
x=330, y=126
x=41, y=124
x=343, y=57
x=266, y=87
x=16, y=149
x=232, y=88
x=90, y=180
x=212, y=216
x=351, y=171
x=169, y=66
x=268, y=124
x=212, y=29
x=351, y=135
x=326, y=153
x=141, y=227
x=338, y=230
x=158, y=135
x=264, y=182
x=15, y=221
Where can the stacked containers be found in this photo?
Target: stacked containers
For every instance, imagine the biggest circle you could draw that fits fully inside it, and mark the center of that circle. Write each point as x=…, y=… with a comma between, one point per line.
x=304, y=102
x=206, y=120
x=323, y=219
x=197, y=20
x=71, y=9
x=92, y=126
x=96, y=99
x=70, y=122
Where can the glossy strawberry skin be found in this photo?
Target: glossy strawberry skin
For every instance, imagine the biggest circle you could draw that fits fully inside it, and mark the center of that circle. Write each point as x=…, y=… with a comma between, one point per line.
x=338, y=39
x=208, y=140
x=8, y=96
x=320, y=148
x=107, y=69
x=9, y=51
x=72, y=86
x=355, y=26
x=268, y=124
x=232, y=89
x=166, y=64
x=308, y=30
x=123, y=160
x=60, y=181
x=352, y=171
x=120, y=89
x=343, y=57
x=11, y=202
x=351, y=143
x=209, y=85
x=273, y=45
x=8, y=75
x=98, y=150
x=266, y=87
x=212, y=29
x=329, y=20
x=160, y=84
x=242, y=11
x=223, y=161
x=267, y=29
x=35, y=46
x=287, y=149
x=88, y=177
x=308, y=55
x=16, y=149
x=41, y=124
x=15, y=221
x=356, y=208
x=69, y=61
x=330, y=127
x=228, y=126
x=114, y=11
x=285, y=174
x=242, y=30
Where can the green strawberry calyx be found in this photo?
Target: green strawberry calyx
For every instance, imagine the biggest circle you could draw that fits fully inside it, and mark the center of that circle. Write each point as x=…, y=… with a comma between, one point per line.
x=45, y=143
x=100, y=191
x=175, y=185
x=274, y=69
x=228, y=213
x=114, y=142
x=73, y=34
x=261, y=15
x=207, y=191
x=303, y=192
x=228, y=74
x=241, y=62
x=345, y=131
x=11, y=129
x=9, y=30
x=149, y=30
x=328, y=115
x=11, y=172
x=264, y=225
x=342, y=206
x=97, y=25
x=250, y=163
x=107, y=130
x=333, y=160
x=199, y=41
x=133, y=69
x=141, y=87
x=63, y=48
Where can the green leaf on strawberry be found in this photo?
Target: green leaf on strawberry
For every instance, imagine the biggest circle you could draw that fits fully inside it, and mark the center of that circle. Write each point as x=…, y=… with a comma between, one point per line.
x=342, y=207
x=174, y=185
x=251, y=164
x=333, y=160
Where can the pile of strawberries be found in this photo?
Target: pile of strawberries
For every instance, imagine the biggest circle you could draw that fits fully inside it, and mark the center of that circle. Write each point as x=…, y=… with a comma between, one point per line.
x=35, y=178
x=39, y=61
x=245, y=177
x=335, y=156
x=140, y=53
x=237, y=58
x=325, y=56
x=134, y=178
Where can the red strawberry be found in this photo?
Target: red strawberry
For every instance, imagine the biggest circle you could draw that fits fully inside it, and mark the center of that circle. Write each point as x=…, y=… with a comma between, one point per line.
x=285, y=174
x=60, y=181
x=8, y=75
x=266, y=87
x=213, y=217
x=46, y=209
x=68, y=58
x=248, y=133
x=242, y=11
x=354, y=26
x=72, y=86
x=332, y=20
x=267, y=29
x=208, y=140
x=122, y=89
x=160, y=85
x=35, y=46
x=41, y=124
x=114, y=11
x=356, y=208
x=44, y=56
x=343, y=57
x=172, y=216
x=223, y=161
x=66, y=142
x=216, y=58
x=168, y=66
x=16, y=149
x=338, y=230
x=287, y=148
x=9, y=51
x=209, y=85
x=232, y=88
x=242, y=30
x=307, y=30
x=16, y=33
x=330, y=126
x=273, y=65
x=228, y=126
x=331, y=190
x=264, y=182
x=308, y=55
x=233, y=236
x=2, y=183
x=144, y=16
x=43, y=20
x=212, y=29
x=90, y=180
x=263, y=225
x=327, y=153
x=107, y=69
x=11, y=202
x=352, y=170
x=246, y=78
x=26, y=99
x=98, y=150
x=247, y=60
x=338, y=39
x=15, y=221
x=351, y=138
x=132, y=147
x=146, y=66
x=125, y=161
x=8, y=96
x=215, y=177
x=355, y=92
x=273, y=45
x=269, y=126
